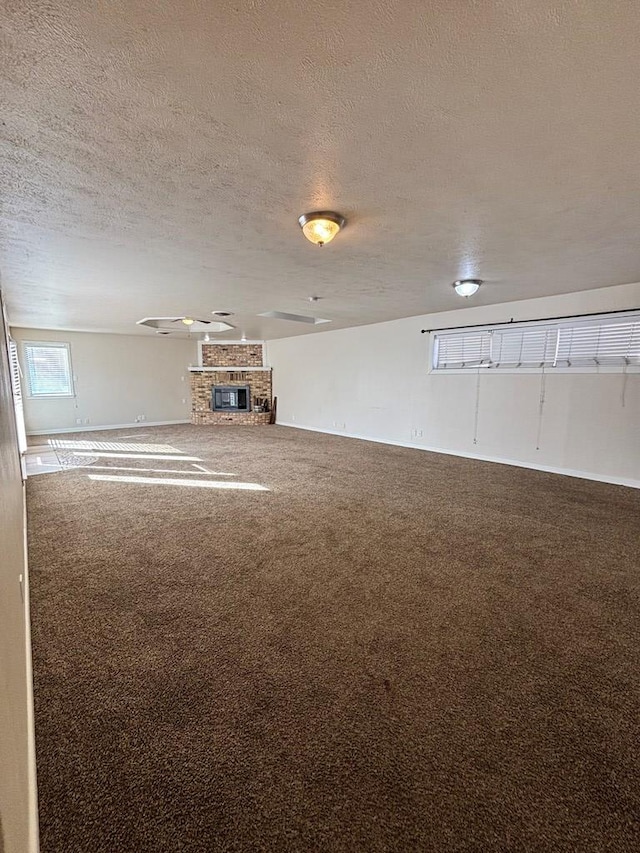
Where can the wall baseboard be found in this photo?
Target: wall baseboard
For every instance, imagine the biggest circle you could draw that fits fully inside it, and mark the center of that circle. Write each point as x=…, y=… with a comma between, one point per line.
x=93, y=428
x=549, y=469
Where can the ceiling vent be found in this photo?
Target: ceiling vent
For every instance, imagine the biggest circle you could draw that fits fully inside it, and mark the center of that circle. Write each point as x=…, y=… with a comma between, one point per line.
x=294, y=318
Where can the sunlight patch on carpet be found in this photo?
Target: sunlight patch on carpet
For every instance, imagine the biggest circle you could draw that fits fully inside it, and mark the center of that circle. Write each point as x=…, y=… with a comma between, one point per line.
x=87, y=444
x=169, y=481
x=163, y=471
x=139, y=456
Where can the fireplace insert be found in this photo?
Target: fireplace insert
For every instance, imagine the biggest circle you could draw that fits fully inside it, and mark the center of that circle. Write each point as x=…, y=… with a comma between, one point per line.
x=230, y=398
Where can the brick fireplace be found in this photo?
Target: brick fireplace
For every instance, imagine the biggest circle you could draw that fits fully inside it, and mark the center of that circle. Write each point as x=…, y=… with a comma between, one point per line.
x=229, y=365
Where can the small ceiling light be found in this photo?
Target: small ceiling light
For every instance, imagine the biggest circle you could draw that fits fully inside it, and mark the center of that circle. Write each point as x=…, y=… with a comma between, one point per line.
x=188, y=321
x=321, y=227
x=467, y=286
x=207, y=338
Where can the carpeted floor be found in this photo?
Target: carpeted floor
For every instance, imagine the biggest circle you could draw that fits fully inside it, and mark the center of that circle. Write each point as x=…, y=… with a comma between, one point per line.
x=388, y=650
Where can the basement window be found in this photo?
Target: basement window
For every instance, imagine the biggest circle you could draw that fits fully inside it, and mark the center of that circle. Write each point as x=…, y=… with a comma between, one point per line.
x=598, y=343
x=48, y=369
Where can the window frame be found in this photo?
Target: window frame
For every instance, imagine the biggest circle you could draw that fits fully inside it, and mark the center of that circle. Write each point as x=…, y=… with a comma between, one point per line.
x=565, y=322
x=65, y=345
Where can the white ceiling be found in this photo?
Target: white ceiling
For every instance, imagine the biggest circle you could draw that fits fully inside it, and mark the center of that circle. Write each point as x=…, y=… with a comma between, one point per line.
x=156, y=156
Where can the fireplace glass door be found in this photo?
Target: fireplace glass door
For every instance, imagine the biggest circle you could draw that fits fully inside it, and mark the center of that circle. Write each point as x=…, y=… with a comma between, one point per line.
x=230, y=398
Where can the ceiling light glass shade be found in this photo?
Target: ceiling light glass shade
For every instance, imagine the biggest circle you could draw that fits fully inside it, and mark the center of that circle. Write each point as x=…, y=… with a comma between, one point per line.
x=187, y=321
x=467, y=287
x=321, y=227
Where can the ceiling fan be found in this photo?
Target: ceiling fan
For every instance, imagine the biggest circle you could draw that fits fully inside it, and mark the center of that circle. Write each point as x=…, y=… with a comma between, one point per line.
x=165, y=325
x=189, y=321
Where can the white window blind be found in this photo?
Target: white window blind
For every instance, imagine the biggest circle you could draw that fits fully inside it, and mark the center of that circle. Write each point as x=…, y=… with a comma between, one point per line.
x=16, y=384
x=48, y=368
x=472, y=349
x=610, y=341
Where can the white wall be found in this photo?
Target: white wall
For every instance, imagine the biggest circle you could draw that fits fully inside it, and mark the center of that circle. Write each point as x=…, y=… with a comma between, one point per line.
x=373, y=382
x=18, y=816
x=117, y=377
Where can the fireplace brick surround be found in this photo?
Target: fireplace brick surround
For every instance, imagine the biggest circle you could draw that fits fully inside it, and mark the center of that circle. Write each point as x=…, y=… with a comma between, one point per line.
x=232, y=355
x=239, y=365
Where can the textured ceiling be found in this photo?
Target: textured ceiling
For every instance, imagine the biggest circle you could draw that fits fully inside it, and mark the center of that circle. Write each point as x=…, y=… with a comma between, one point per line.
x=156, y=156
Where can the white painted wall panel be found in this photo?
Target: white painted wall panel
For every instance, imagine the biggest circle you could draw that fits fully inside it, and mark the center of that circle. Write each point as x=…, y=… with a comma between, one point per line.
x=117, y=377
x=18, y=815
x=373, y=382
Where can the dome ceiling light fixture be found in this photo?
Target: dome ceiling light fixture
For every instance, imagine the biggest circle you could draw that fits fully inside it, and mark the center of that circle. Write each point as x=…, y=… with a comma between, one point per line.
x=322, y=226
x=188, y=321
x=467, y=286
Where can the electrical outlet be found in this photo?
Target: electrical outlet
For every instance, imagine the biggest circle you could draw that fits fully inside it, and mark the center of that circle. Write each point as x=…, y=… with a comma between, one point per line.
x=78, y=420
x=418, y=433
x=87, y=420
x=293, y=417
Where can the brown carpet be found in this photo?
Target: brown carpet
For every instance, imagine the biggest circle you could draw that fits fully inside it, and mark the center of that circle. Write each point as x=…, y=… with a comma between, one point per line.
x=389, y=650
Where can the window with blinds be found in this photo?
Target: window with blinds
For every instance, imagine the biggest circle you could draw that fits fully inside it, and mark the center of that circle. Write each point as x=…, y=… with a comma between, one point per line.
x=48, y=369
x=610, y=341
